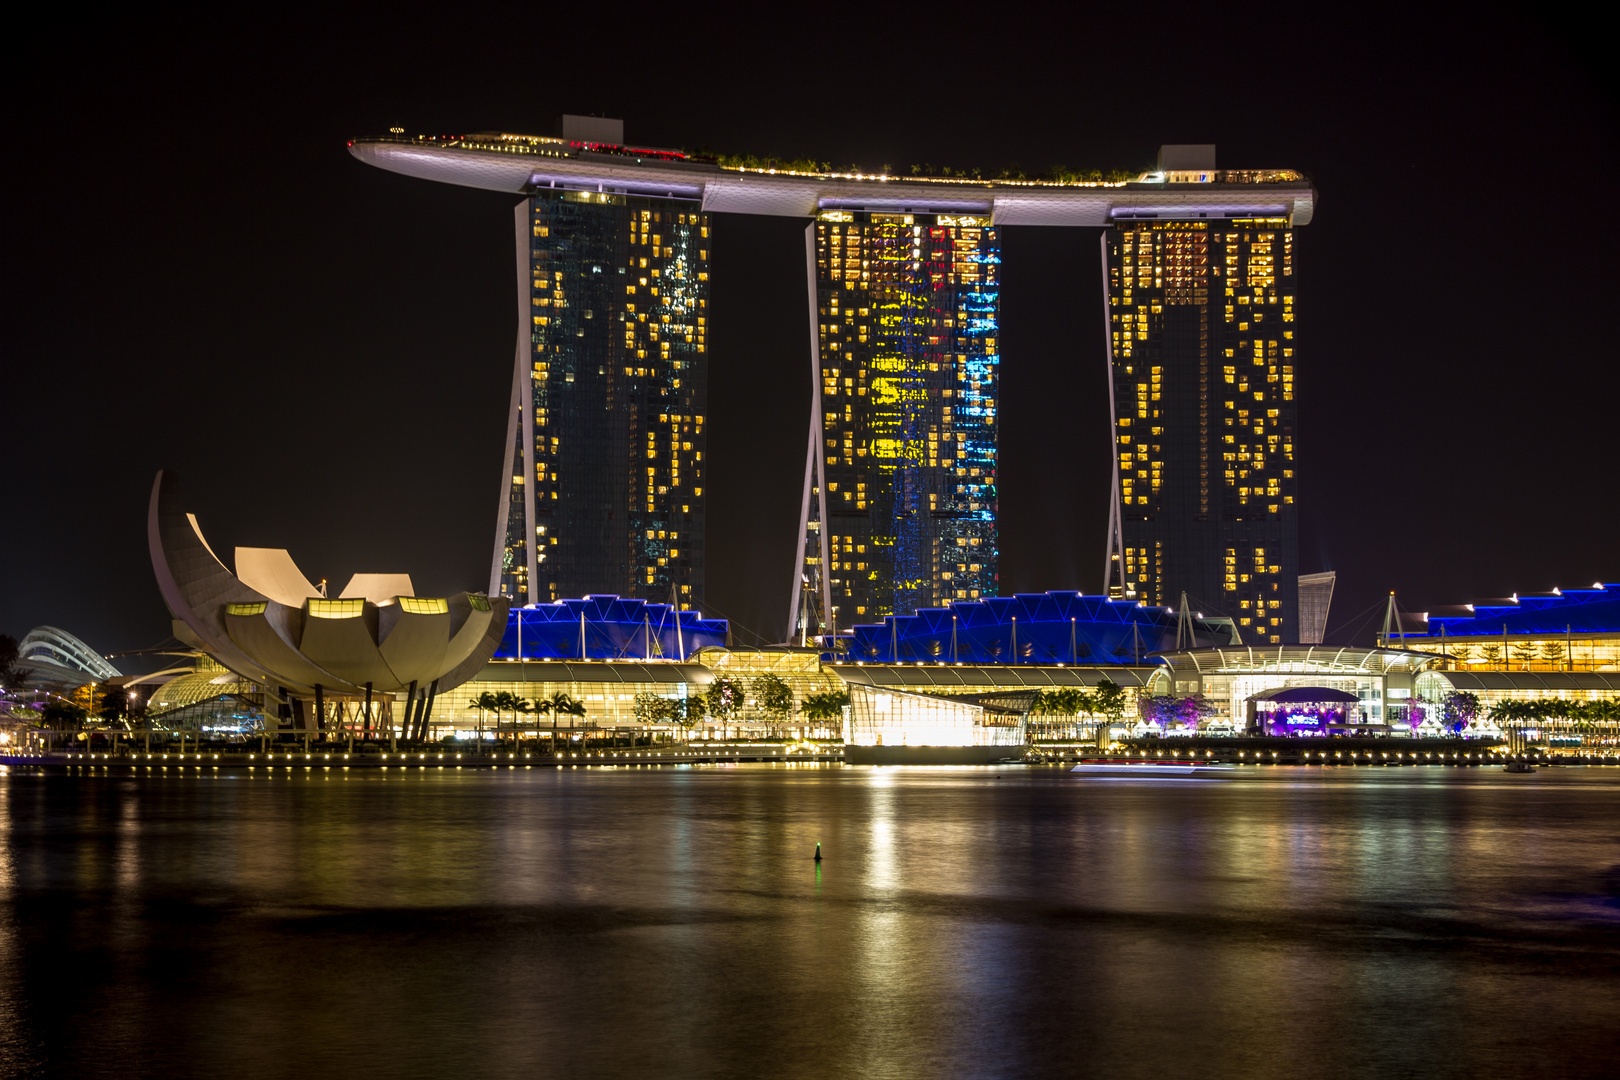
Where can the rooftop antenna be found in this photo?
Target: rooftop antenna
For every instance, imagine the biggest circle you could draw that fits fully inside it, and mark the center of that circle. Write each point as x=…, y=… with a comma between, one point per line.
x=1184, y=626
x=646, y=623
x=1391, y=621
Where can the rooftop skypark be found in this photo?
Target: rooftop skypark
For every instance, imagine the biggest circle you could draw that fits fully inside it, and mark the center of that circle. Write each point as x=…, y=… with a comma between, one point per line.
x=1052, y=175
x=801, y=187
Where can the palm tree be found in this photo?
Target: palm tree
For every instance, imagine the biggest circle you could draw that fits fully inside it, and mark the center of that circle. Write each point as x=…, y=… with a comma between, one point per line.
x=542, y=706
x=504, y=699
x=1070, y=701
x=569, y=706
x=524, y=706
x=485, y=701
x=558, y=704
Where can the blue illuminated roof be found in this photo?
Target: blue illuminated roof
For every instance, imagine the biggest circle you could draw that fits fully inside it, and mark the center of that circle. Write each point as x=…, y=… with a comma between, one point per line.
x=1030, y=628
x=1574, y=611
x=607, y=628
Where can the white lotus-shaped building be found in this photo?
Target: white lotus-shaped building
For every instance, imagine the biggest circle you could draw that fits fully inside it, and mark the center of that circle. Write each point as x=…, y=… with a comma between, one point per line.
x=267, y=623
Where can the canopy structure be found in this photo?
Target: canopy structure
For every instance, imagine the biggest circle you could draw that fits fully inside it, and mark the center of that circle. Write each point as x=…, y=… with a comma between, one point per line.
x=1303, y=710
x=1306, y=695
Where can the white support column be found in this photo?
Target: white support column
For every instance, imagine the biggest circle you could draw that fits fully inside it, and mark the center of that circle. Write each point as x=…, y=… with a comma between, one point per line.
x=1114, y=561
x=504, y=511
x=797, y=604
x=815, y=463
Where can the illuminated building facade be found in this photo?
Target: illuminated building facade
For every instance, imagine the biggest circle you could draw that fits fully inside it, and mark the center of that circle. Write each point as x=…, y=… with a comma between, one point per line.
x=1315, y=598
x=606, y=436
x=894, y=727
x=607, y=628
x=903, y=425
x=1572, y=630
x=1202, y=324
x=903, y=415
x=1033, y=628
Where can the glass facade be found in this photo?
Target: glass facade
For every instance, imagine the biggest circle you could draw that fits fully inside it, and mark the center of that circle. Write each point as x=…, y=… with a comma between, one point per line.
x=1202, y=323
x=617, y=383
x=908, y=308
x=607, y=690
x=801, y=669
x=1230, y=677
x=1548, y=652
x=896, y=718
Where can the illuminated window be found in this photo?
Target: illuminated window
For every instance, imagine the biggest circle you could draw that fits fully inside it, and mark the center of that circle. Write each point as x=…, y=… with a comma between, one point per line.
x=336, y=609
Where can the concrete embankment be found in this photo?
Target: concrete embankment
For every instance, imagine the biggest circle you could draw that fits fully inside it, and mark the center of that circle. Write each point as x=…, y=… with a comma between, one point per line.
x=340, y=758
x=1330, y=752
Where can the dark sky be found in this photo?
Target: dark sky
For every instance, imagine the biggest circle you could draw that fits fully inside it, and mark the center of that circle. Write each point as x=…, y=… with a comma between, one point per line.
x=199, y=277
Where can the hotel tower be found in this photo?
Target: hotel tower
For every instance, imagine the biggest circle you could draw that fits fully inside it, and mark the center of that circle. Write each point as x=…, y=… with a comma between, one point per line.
x=602, y=486
x=1203, y=340
x=605, y=432
x=903, y=424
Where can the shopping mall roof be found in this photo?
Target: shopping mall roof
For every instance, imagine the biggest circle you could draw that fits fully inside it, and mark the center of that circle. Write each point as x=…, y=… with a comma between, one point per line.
x=969, y=677
x=1298, y=659
x=626, y=672
x=1305, y=695
x=1538, y=682
x=1050, y=628
x=498, y=161
x=1566, y=611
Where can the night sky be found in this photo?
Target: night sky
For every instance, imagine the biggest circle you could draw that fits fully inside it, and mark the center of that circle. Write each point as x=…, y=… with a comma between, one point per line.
x=199, y=277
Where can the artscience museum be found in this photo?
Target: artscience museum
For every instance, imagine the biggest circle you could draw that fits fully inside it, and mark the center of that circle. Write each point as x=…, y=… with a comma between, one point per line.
x=352, y=659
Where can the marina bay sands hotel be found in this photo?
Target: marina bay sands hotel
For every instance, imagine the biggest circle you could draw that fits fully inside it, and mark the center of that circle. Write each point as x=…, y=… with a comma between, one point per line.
x=605, y=445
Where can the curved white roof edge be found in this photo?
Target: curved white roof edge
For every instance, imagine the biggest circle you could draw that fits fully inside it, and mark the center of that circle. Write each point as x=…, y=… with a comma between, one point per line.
x=53, y=645
x=784, y=195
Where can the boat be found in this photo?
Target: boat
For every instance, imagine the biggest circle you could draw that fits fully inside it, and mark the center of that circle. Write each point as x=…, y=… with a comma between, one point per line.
x=1519, y=767
x=1151, y=768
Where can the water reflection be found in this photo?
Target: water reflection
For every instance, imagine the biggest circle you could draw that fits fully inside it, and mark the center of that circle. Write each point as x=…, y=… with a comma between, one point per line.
x=966, y=922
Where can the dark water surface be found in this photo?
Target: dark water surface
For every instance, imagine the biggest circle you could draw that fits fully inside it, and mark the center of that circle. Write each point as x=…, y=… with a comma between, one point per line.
x=966, y=923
